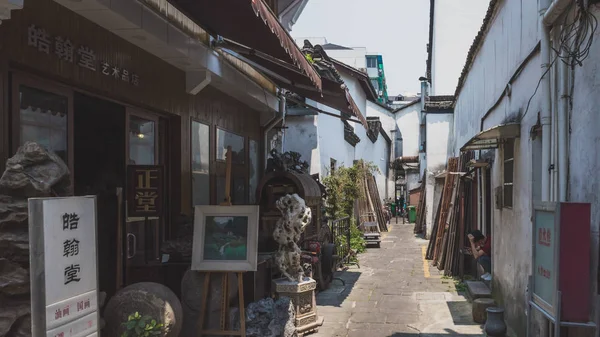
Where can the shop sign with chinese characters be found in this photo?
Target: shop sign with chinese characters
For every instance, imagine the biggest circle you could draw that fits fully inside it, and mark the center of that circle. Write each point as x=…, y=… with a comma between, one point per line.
x=145, y=190
x=82, y=55
x=544, y=245
x=64, y=277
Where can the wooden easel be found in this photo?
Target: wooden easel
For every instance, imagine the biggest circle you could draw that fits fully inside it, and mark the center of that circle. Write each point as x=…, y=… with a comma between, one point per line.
x=224, y=280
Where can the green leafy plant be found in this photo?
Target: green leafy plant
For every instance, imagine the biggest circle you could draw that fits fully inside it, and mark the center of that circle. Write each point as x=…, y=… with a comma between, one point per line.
x=142, y=326
x=357, y=239
x=342, y=191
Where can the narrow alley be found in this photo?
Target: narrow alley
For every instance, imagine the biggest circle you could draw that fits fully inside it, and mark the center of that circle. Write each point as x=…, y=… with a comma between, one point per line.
x=395, y=292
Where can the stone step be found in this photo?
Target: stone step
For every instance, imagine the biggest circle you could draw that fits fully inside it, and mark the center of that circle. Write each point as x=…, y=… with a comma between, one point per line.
x=488, y=284
x=477, y=289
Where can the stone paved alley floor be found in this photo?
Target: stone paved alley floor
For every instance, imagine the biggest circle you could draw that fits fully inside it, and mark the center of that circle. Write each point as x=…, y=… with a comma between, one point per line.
x=395, y=293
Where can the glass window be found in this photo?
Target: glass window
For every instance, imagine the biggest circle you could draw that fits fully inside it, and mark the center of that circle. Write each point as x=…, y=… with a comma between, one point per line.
x=371, y=62
x=254, y=171
x=200, y=164
x=375, y=84
x=225, y=139
x=239, y=191
x=43, y=118
x=142, y=142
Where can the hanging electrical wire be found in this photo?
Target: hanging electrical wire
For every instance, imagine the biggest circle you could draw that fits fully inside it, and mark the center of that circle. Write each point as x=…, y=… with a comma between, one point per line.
x=576, y=38
x=538, y=86
x=575, y=41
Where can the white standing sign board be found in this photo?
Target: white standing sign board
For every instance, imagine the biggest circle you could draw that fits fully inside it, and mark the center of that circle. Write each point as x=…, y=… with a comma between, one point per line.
x=64, y=275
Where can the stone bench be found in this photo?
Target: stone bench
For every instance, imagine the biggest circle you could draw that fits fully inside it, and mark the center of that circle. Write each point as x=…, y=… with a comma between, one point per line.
x=477, y=289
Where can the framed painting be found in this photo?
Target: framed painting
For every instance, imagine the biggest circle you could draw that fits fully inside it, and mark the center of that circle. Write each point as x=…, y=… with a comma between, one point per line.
x=225, y=238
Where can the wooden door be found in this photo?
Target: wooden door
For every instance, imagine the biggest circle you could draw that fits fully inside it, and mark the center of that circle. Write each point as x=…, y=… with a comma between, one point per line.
x=488, y=202
x=142, y=235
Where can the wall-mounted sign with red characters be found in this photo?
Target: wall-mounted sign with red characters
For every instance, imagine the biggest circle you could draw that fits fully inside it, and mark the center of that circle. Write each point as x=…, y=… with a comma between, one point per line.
x=560, y=284
x=64, y=273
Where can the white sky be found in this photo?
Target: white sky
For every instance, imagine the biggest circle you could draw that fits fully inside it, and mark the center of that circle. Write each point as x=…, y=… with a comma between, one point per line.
x=396, y=29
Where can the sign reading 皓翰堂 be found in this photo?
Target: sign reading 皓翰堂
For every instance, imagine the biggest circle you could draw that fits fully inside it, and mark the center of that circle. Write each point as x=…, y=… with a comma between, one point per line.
x=83, y=56
x=544, y=257
x=63, y=257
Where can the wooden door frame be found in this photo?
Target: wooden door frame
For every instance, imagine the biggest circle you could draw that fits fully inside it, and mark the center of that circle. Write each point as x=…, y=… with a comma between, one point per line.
x=20, y=79
x=159, y=159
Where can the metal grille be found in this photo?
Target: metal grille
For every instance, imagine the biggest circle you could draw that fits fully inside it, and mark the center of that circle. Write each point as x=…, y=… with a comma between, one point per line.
x=340, y=229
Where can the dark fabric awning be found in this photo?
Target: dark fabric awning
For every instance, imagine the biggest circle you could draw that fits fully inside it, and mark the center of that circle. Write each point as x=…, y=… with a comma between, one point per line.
x=250, y=23
x=490, y=138
x=333, y=94
x=317, y=110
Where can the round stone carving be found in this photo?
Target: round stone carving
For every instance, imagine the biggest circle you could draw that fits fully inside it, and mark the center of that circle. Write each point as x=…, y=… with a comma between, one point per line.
x=147, y=298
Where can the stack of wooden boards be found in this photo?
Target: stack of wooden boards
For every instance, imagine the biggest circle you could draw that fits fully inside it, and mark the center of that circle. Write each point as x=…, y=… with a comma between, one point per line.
x=420, y=223
x=449, y=231
x=369, y=206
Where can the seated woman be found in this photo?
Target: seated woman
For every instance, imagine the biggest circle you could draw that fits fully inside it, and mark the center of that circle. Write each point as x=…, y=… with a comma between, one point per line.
x=481, y=248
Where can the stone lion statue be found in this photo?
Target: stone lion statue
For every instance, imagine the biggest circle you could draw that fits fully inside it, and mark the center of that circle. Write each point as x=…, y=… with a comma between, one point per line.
x=295, y=216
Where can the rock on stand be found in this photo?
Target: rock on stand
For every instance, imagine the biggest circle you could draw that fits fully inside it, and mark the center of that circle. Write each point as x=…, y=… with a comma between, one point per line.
x=31, y=172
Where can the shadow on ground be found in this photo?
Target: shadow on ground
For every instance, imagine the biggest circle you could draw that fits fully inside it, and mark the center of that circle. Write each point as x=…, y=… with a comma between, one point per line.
x=340, y=288
x=461, y=312
x=449, y=332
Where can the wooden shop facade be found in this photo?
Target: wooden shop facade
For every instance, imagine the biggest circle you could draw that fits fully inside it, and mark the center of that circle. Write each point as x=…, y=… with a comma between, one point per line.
x=103, y=103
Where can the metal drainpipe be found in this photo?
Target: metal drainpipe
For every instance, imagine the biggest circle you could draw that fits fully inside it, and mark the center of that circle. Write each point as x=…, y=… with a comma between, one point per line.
x=563, y=124
x=423, y=121
x=269, y=126
x=282, y=109
x=549, y=12
x=546, y=118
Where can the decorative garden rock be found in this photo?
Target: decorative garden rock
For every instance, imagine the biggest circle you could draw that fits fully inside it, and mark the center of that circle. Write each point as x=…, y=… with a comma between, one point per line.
x=14, y=231
x=31, y=172
x=149, y=299
x=35, y=172
x=295, y=216
x=14, y=280
x=13, y=314
x=22, y=328
x=269, y=318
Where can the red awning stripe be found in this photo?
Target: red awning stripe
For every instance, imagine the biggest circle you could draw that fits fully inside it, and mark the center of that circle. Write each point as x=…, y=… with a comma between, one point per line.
x=252, y=24
x=287, y=43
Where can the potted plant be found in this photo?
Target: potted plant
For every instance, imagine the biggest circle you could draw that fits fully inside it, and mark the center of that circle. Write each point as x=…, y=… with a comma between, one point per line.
x=142, y=326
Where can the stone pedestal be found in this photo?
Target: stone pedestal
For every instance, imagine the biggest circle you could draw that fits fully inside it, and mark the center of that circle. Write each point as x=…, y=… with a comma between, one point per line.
x=302, y=295
x=480, y=306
